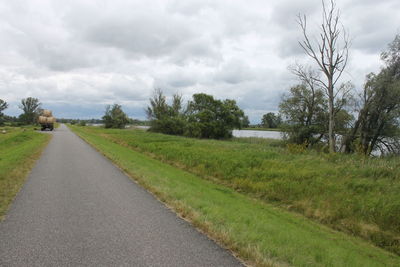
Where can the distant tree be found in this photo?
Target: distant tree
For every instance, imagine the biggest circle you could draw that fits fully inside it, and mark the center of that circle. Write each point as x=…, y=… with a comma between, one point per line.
x=164, y=118
x=204, y=116
x=270, y=120
x=330, y=53
x=114, y=117
x=211, y=118
x=245, y=122
x=3, y=106
x=304, y=111
x=158, y=106
x=31, y=108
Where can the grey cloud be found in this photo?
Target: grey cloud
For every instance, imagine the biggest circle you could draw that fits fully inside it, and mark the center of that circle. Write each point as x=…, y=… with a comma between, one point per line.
x=372, y=26
x=142, y=36
x=190, y=8
x=234, y=72
x=81, y=55
x=182, y=82
x=285, y=12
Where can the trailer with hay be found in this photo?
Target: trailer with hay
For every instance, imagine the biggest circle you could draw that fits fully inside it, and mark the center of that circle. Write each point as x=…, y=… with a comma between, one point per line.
x=46, y=120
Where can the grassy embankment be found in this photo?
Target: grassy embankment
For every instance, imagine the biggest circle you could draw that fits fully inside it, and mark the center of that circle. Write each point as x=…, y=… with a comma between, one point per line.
x=19, y=149
x=257, y=231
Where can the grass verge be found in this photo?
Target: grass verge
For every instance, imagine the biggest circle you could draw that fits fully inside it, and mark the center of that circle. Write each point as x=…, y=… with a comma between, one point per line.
x=350, y=193
x=259, y=233
x=19, y=149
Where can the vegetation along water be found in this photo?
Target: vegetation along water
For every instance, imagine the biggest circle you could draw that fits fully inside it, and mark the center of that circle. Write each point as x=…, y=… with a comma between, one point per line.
x=354, y=194
x=241, y=220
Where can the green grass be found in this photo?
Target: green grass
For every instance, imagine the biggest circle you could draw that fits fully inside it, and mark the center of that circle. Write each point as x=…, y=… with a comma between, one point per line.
x=19, y=149
x=354, y=194
x=258, y=232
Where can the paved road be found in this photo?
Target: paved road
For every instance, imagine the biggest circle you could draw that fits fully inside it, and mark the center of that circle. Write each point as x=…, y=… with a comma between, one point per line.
x=77, y=209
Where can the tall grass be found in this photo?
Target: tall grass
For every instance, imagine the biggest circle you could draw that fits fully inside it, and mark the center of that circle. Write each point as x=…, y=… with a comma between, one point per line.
x=351, y=193
x=259, y=233
x=19, y=148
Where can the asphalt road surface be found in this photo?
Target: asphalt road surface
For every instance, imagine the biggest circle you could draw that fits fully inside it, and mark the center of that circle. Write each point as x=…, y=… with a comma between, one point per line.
x=77, y=209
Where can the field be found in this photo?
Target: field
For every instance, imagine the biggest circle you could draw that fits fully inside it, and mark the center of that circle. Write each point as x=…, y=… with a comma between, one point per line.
x=257, y=181
x=19, y=149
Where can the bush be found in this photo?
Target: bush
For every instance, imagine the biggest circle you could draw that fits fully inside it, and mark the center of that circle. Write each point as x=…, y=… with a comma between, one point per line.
x=114, y=117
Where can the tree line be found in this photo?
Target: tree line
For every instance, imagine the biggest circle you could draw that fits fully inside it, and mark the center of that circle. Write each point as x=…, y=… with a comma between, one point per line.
x=31, y=109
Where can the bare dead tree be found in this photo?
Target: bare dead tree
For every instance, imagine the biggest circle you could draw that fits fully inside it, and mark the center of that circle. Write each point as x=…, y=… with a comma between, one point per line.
x=331, y=55
x=306, y=75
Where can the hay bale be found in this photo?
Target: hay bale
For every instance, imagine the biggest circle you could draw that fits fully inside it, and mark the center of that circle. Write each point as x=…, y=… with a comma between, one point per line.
x=51, y=120
x=47, y=113
x=42, y=119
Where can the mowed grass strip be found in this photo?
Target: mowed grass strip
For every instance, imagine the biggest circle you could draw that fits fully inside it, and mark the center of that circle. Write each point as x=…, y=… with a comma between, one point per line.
x=19, y=149
x=259, y=233
x=350, y=193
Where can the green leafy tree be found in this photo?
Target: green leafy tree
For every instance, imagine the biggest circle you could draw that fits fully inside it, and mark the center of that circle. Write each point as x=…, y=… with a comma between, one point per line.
x=158, y=106
x=31, y=110
x=114, y=117
x=164, y=118
x=211, y=118
x=245, y=122
x=270, y=120
x=3, y=106
x=378, y=124
x=304, y=110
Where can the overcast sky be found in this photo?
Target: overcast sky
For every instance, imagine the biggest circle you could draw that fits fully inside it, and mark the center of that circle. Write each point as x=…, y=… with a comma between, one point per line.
x=78, y=56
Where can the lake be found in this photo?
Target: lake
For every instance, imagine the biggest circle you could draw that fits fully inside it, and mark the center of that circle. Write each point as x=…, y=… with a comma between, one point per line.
x=258, y=134
x=242, y=133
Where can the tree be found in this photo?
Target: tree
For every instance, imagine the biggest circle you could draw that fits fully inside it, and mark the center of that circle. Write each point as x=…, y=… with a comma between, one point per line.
x=114, y=117
x=391, y=57
x=164, y=118
x=3, y=106
x=270, y=120
x=31, y=108
x=331, y=57
x=304, y=110
x=158, y=106
x=378, y=124
x=245, y=122
x=211, y=118
x=204, y=116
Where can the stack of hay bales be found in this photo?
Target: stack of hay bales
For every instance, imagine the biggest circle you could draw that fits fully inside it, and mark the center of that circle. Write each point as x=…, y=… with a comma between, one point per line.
x=47, y=120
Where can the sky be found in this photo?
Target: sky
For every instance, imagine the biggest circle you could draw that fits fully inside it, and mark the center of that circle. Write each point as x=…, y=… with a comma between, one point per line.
x=79, y=56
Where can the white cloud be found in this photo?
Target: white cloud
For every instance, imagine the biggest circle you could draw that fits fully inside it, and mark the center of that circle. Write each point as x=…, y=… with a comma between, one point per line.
x=77, y=56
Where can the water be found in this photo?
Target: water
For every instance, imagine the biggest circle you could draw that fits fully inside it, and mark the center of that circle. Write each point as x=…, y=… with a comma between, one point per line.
x=258, y=134
x=141, y=127
x=242, y=133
